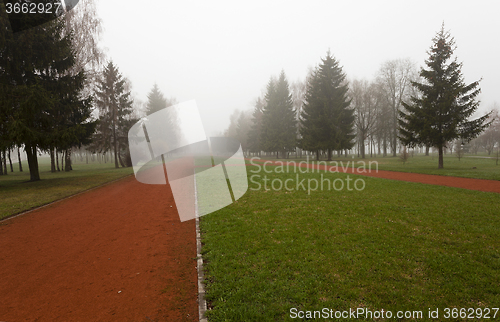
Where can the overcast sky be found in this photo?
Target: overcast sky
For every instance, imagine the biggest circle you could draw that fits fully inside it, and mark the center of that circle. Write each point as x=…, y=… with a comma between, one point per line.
x=222, y=53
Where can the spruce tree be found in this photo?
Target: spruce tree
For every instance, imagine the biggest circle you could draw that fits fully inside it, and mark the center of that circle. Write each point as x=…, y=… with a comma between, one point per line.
x=156, y=100
x=115, y=109
x=242, y=128
x=327, y=121
x=268, y=118
x=278, y=133
x=37, y=88
x=440, y=113
x=72, y=124
x=256, y=127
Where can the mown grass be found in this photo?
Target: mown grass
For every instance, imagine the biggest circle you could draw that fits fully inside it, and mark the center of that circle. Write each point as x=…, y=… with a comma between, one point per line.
x=18, y=194
x=470, y=166
x=393, y=246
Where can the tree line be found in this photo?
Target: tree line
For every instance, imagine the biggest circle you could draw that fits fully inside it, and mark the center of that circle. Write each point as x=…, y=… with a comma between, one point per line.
x=401, y=108
x=57, y=94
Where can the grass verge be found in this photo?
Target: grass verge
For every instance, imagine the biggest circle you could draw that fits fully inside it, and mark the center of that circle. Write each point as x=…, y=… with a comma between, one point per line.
x=18, y=194
x=470, y=166
x=394, y=245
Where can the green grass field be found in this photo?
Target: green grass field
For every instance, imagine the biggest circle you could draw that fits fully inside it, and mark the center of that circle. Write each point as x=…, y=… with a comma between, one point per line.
x=394, y=246
x=485, y=166
x=17, y=194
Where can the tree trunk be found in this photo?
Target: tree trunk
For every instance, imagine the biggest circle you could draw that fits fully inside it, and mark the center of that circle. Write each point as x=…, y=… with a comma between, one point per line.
x=371, y=147
x=52, y=161
x=57, y=160
x=32, y=162
x=1, y=162
x=5, y=161
x=440, y=149
x=317, y=155
x=115, y=146
x=395, y=144
x=19, y=158
x=384, y=144
x=10, y=162
x=121, y=161
x=67, y=160
x=329, y=154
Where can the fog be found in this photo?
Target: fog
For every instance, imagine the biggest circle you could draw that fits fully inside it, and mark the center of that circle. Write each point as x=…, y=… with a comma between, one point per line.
x=223, y=53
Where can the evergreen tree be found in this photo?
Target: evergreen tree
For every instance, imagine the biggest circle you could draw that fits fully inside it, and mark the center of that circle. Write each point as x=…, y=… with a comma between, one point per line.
x=156, y=101
x=279, y=129
x=242, y=128
x=327, y=119
x=440, y=113
x=115, y=119
x=72, y=124
x=37, y=88
x=256, y=127
x=267, y=117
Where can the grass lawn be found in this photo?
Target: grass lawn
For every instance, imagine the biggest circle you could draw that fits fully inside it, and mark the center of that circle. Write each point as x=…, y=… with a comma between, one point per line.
x=485, y=166
x=18, y=194
x=393, y=246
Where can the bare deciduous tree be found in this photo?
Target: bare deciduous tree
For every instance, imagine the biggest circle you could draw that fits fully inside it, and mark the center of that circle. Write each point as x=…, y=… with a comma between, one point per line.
x=233, y=124
x=491, y=137
x=298, y=90
x=365, y=102
x=394, y=77
x=459, y=149
x=404, y=156
x=87, y=29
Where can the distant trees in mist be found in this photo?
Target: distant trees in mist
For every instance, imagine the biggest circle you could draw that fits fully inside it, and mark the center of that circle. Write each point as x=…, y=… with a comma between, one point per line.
x=331, y=112
x=399, y=109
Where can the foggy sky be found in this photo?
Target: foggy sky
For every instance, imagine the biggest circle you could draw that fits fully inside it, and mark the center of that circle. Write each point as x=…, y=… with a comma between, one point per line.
x=222, y=53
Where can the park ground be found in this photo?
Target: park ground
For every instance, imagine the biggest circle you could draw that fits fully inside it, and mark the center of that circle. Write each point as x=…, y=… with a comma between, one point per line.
x=121, y=250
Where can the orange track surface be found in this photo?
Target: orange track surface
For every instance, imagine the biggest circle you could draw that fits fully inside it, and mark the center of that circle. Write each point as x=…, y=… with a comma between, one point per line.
x=116, y=253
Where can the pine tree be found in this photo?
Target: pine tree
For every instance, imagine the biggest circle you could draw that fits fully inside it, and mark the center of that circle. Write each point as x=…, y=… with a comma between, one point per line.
x=256, y=128
x=268, y=118
x=36, y=87
x=440, y=113
x=124, y=122
x=115, y=109
x=278, y=118
x=156, y=100
x=242, y=128
x=327, y=119
x=74, y=127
